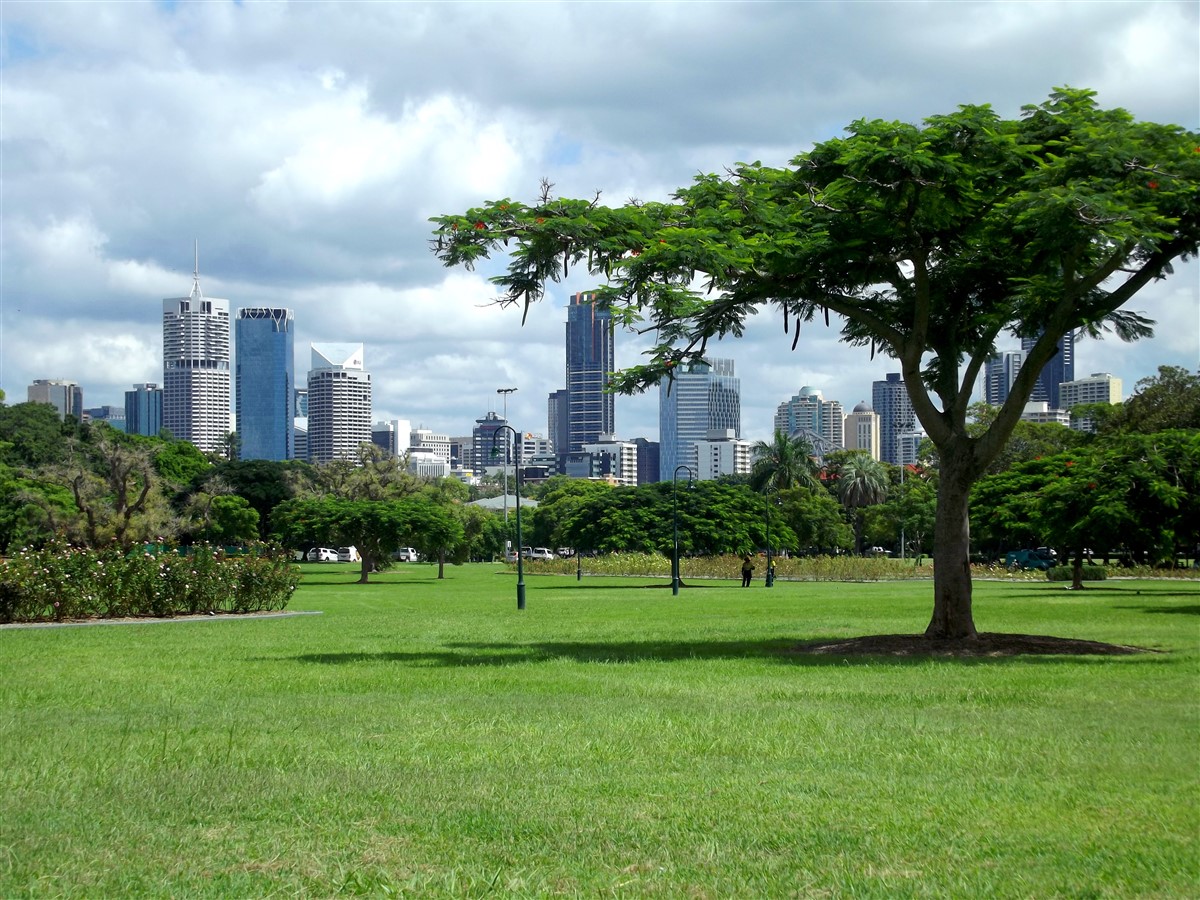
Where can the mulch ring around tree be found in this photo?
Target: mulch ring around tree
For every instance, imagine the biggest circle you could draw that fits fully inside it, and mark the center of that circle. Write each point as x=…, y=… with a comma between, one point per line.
x=983, y=645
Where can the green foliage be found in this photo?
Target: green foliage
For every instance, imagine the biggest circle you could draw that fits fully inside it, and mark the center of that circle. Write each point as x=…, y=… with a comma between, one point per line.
x=178, y=462
x=1163, y=402
x=59, y=582
x=264, y=484
x=783, y=462
x=231, y=520
x=930, y=242
x=32, y=435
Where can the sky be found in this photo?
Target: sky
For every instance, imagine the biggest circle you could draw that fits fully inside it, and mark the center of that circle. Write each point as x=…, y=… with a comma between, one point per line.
x=304, y=146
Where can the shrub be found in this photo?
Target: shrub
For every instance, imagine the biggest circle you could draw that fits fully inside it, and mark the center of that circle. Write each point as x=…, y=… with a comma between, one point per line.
x=1067, y=573
x=62, y=582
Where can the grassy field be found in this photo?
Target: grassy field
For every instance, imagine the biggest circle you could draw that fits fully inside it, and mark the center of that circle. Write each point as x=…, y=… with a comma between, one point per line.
x=423, y=738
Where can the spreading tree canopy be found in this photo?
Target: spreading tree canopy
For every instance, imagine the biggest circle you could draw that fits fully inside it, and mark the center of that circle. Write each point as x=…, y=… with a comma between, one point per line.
x=928, y=243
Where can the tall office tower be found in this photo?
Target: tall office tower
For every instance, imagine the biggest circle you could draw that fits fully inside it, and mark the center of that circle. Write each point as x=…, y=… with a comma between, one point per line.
x=489, y=449
x=590, y=362
x=395, y=436
x=196, y=368
x=999, y=373
x=266, y=382
x=702, y=397
x=648, y=460
x=143, y=409
x=339, y=402
x=897, y=422
x=862, y=429
x=1060, y=368
x=557, y=414
x=65, y=396
x=807, y=414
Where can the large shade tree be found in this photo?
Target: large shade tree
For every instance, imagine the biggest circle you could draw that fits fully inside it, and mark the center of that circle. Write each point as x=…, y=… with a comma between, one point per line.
x=926, y=242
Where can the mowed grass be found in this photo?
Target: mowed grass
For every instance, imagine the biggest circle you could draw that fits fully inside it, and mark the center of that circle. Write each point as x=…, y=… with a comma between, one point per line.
x=423, y=738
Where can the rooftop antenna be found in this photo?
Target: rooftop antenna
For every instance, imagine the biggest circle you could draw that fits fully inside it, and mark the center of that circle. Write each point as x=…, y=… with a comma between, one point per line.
x=196, y=275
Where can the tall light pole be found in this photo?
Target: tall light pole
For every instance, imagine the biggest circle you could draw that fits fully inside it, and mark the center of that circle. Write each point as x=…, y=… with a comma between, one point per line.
x=520, y=558
x=675, y=521
x=504, y=392
x=767, y=505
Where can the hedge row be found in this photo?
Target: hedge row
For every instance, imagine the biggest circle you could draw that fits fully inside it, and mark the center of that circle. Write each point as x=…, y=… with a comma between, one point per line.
x=60, y=582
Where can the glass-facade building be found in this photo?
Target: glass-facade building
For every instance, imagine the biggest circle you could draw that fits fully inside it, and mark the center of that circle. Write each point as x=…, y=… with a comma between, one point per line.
x=702, y=397
x=266, y=382
x=143, y=409
x=1060, y=368
x=591, y=410
x=897, y=420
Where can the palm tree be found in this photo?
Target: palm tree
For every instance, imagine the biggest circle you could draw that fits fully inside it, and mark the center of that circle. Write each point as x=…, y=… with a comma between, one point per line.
x=861, y=481
x=782, y=463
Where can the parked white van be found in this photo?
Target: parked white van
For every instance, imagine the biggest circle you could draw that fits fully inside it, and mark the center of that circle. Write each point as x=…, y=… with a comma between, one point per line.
x=405, y=554
x=348, y=554
x=322, y=554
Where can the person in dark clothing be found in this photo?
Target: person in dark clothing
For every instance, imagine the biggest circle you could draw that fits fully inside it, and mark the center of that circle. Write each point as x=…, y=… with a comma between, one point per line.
x=747, y=570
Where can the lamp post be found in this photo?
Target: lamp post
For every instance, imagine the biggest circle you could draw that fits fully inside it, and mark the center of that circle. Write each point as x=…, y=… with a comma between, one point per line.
x=517, y=478
x=767, y=507
x=504, y=392
x=675, y=522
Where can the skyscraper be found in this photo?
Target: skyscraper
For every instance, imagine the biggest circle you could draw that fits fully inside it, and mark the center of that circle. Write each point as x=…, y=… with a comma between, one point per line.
x=196, y=368
x=1060, y=368
x=65, y=396
x=821, y=422
x=999, y=374
x=266, y=382
x=144, y=409
x=862, y=429
x=897, y=422
x=339, y=402
x=702, y=397
x=590, y=362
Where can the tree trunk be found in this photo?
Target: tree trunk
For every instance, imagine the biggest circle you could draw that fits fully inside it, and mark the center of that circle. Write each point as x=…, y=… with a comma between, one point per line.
x=367, y=563
x=441, y=563
x=952, y=617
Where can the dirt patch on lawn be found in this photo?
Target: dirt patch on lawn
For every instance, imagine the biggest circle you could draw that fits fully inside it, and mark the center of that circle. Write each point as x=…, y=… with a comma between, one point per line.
x=986, y=644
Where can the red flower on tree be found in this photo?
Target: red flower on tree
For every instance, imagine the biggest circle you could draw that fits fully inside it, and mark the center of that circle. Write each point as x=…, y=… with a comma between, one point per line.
x=479, y=226
x=1153, y=185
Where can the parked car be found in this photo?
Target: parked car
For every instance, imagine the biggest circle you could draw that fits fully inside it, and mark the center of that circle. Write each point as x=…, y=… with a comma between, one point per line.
x=322, y=554
x=1028, y=559
x=405, y=554
x=348, y=554
x=540, y=553
x=877, y=551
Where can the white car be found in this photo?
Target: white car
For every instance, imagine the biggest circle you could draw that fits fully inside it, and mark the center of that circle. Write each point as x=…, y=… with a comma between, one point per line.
x=348, y=554
x=541, y=553
x=322, y=554
x=405, y=554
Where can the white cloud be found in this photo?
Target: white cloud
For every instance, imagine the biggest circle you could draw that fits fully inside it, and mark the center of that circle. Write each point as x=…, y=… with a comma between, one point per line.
x=306, y=145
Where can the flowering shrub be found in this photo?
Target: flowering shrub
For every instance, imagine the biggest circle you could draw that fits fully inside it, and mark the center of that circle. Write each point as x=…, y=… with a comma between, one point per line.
x=61, y=582
x=795, y=568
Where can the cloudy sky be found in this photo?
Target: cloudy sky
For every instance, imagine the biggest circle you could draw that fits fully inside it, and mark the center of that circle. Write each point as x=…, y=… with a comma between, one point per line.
x=305, y=146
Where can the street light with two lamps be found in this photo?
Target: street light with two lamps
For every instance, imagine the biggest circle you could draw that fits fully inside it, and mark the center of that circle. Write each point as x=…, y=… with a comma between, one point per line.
x=517, y=480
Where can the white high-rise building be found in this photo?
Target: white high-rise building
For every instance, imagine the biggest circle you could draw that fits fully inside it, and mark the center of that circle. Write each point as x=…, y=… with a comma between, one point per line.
x=1100, y=387
x=195, y=399
x=612, y=460
x=339, y=402
x=722, y=453
x=807, y=414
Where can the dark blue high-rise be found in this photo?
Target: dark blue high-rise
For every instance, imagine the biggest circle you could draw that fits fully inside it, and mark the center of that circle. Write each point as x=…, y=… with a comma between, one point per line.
x=590, y=363
x=266, y=382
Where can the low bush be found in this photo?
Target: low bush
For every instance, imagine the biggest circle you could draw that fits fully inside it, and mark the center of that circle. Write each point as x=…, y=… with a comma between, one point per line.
x=1067, y=573
x=62, y=582
x=791, y=568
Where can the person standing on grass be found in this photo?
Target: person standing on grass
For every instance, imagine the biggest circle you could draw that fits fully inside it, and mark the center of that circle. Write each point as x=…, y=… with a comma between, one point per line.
x=747, y=570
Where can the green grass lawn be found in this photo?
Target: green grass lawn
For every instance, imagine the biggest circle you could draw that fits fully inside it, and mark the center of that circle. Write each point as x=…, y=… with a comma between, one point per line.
x=422, y=737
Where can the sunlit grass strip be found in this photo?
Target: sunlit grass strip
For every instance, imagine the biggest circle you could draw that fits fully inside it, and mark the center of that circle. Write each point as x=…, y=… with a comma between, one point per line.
x=422, y=736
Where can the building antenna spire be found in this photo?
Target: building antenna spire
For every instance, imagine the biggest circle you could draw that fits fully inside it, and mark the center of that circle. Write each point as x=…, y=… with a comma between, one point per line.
x=196, y=294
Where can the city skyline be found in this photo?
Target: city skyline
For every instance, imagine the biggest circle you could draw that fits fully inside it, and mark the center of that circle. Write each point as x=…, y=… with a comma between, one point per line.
x=349, y=127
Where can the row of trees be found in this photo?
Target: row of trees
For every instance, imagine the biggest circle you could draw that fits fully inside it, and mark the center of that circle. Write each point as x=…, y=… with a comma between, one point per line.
x=1050, y=485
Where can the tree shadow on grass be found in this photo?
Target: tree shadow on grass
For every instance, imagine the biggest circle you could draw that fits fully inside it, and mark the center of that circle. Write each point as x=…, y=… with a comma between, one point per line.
x=1191, y=610
x=900, y=649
